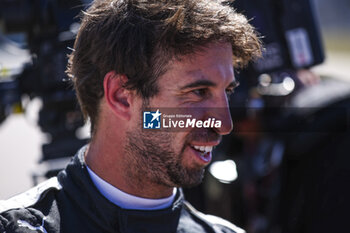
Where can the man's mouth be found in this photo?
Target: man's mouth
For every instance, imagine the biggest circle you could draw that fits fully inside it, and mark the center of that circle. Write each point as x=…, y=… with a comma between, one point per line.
x=203, y=149
x=202, y=152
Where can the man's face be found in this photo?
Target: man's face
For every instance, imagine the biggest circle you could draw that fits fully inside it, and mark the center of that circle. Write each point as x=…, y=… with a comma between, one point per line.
x=200, y=83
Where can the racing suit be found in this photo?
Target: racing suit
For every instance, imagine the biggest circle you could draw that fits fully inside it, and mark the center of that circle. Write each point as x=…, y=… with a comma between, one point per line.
x=71, y=203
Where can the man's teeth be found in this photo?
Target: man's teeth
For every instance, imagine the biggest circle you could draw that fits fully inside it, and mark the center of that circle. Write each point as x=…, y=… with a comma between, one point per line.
x=204, y=148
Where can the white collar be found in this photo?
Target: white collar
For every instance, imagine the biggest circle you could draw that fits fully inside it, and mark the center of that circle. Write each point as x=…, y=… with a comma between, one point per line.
x=127, y=201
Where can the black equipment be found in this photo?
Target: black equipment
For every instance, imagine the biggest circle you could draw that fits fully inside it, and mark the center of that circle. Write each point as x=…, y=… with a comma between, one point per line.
x=291, y=38
x=289, y=30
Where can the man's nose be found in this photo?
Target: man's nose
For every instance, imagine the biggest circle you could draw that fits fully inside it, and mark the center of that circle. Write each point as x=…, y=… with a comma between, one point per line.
x=222, y=113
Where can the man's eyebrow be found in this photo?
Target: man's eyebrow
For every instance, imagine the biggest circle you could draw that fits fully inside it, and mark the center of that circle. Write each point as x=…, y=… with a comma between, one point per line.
x=207, y=83
x=199, y=83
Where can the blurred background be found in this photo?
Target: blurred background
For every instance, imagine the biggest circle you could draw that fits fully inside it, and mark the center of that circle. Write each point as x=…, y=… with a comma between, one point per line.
x=335, y=29
x=286, y=167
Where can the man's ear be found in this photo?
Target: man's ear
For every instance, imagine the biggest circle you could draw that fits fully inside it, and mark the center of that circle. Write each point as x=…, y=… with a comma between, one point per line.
x=116, y=95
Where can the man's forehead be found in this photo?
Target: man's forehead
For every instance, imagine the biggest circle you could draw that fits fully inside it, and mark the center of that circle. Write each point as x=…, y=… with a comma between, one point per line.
x=202, y=76
x=213, y=62
x=205, y=74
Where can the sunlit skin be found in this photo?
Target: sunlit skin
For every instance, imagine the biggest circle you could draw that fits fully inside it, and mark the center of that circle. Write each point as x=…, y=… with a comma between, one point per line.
x=201, y=80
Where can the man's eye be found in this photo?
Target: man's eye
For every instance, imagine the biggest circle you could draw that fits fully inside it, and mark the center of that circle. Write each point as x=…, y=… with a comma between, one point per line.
x=200, y=92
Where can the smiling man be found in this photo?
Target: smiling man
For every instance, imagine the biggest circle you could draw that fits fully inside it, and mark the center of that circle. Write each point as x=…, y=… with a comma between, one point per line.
x=130, y=56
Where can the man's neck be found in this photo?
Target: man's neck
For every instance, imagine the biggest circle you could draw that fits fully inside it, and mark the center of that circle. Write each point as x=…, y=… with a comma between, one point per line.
x=112, y=168
x=127, y=201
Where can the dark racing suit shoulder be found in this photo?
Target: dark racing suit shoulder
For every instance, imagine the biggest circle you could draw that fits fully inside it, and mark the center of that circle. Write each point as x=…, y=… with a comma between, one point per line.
x=36, y=211
x=71, y=203
x=31, y=211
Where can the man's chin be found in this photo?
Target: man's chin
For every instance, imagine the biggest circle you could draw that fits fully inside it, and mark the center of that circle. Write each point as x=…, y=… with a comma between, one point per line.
x=188, y=179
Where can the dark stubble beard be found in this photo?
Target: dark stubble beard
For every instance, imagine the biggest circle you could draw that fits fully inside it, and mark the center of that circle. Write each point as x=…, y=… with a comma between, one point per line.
x=151, y=156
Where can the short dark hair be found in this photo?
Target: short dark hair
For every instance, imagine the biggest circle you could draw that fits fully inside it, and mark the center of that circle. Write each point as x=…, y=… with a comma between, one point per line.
x=138, y=38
